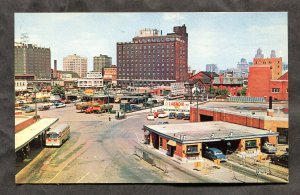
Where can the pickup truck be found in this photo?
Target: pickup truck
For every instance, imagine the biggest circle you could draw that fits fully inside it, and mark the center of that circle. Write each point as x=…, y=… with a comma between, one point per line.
x=269, y=148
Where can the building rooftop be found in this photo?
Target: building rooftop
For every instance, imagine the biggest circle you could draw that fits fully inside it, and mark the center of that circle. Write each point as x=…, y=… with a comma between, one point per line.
x=208, y=131
x=21, y=118
x=259, y=109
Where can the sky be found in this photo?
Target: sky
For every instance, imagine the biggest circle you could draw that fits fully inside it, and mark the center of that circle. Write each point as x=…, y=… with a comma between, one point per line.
x=221, y=38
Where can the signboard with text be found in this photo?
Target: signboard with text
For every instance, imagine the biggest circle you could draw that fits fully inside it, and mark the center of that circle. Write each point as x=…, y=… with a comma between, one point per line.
x=176, y=106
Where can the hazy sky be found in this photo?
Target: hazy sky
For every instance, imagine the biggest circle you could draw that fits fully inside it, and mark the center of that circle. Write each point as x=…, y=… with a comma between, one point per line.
x=219, y=38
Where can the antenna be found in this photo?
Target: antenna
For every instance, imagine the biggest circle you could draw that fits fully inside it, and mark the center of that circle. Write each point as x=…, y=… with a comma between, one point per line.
x=24, y=38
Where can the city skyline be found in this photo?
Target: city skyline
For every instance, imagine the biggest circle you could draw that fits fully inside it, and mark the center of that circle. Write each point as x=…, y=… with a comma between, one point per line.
x=218, y=38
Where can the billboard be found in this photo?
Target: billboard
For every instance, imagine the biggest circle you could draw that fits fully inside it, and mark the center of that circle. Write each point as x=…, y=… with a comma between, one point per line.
x=176, y=106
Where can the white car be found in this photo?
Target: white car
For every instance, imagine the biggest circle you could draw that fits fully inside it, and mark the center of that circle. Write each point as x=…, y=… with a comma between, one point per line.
x=150, y=116
x=162, y=115
x=60, y=105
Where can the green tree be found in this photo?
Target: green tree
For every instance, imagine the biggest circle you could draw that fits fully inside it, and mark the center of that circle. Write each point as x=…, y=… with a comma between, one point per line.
x=57, y=90
x=243, y=91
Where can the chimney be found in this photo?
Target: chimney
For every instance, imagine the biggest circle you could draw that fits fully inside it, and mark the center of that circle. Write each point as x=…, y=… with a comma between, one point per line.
x=270, y=111
x=55, y=69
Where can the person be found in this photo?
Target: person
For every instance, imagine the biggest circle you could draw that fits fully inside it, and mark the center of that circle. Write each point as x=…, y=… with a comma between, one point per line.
x=109, y=118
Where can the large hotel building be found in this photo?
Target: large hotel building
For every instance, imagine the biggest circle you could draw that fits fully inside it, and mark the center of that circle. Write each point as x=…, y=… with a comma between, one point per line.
x=153, y=59
x=76, y=64
x=34, y=60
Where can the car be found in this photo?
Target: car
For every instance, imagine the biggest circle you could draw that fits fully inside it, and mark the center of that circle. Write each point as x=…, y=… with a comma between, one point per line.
x=172, y=115
x=29, y=109
x=180, y=115
x=186, y=117
x=150, y=116
x=135, y=107
x=163, y=122
x=44, y=107
x=24, y=107
x=60, y=105
x=214, y=154
x=269, y=148
x=281, y=160
x=162, y=115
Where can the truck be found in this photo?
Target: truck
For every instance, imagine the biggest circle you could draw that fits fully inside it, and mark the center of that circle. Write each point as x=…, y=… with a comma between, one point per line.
x=98, y=109
x=269, y=148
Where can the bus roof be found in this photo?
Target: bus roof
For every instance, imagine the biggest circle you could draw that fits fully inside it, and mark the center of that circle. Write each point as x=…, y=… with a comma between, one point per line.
x=59, y=128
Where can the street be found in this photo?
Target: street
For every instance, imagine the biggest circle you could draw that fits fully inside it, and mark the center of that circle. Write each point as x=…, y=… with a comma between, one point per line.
x=98, y=151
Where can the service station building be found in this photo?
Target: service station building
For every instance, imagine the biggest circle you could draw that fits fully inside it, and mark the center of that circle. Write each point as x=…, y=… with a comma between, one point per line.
x=189, y=140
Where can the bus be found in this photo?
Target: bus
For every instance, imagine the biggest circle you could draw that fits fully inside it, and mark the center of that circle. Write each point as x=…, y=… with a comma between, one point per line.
x=58, y=135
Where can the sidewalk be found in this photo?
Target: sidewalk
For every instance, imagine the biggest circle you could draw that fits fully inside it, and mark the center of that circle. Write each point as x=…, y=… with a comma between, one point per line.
x=209, y=172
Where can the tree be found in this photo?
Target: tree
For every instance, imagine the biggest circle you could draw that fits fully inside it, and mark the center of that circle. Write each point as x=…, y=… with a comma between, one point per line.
x=243, y=91
x=58, y=90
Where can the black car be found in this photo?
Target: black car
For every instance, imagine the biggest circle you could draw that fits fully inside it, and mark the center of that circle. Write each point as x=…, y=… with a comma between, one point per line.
x=180, y=115
x=186, y=117
x=281, y=160
x=172, y=115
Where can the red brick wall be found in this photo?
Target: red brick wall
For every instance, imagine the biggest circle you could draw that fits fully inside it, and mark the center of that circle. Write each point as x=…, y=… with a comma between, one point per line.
x=179, y=149
x=259, y=81
x=283, y=86
x=164, y=143
x=24, y=124
x=276, y=64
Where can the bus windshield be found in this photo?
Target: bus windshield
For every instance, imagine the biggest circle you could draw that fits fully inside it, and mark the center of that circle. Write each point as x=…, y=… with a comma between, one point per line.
x=52, y=135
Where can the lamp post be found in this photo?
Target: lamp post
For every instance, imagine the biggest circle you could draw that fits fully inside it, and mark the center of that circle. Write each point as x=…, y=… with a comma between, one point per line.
x=35, y=102
x=196, y=91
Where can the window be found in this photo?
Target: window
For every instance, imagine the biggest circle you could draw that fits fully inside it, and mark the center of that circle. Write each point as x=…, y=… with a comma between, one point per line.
x=275, y=90
x=193, y=149
x=287, y=90
x=160, y=142
x=250, y=144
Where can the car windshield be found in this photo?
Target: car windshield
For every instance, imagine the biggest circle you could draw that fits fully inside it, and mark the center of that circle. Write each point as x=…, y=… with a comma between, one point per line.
x=52, y=135
x=218, y=153
x=150, y=114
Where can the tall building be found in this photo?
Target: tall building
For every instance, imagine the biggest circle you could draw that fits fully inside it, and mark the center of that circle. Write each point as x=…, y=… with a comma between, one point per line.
x=259, y=54
x=31, y=59
x=100, y=62
x=273, y=54
x=274, y=63
x=153, y=59
x=243, y=67
x=212, y=68
x=76, y=64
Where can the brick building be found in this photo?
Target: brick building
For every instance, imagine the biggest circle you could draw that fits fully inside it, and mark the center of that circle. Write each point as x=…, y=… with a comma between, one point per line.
x=31, y=59
x=232, y=84
x=153, y=58
x=101, y=62
x=110, y=75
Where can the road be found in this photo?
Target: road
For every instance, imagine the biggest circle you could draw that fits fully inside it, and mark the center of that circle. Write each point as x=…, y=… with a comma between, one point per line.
x=98, y=151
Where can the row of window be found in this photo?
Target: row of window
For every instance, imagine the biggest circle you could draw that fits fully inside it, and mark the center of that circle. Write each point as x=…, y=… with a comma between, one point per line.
x=277, y=90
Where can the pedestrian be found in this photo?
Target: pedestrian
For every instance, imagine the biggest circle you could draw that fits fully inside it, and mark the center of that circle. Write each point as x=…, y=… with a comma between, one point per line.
x=109, y=118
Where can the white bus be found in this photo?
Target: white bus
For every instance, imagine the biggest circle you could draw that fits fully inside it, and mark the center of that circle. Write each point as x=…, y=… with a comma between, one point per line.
x=58, y=135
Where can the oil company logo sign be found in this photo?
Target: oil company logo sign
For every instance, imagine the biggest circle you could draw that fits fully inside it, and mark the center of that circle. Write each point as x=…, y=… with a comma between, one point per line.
x=175, y=104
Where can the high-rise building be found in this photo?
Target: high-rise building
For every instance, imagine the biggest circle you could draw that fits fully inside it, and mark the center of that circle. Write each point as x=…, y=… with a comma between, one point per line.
x=153, y=59
x=274, y=63
x=243, y=67
x=76, y=64
x=212, y=68
x=31, y=59
x=259, y=54
x=273, y=54
x=100, y=62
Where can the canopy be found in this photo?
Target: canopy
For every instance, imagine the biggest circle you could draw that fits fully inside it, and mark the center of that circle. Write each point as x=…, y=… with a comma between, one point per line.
x=171, y=143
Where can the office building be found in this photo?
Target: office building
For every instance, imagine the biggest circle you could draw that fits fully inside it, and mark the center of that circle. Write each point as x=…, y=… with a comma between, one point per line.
x=76, y=64
x=100, y=62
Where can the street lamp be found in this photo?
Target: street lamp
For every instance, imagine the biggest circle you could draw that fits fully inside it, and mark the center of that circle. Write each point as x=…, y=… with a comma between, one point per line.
x=196, y=91
x=35, y=102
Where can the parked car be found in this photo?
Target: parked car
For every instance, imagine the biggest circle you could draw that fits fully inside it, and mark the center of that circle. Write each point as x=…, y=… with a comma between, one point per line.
x=186, y=117
x=162, y=115
x=135, y=107
x=60, y=105
x=281, y=160
x=214, y=154
x=56, y=102
x=269, y=148
x=157, y=112
x=44, y=107
x=29, y=109
x=150, y=116
x=163, y=122
x=24, y=107
x=180, y=115
x=172, y=115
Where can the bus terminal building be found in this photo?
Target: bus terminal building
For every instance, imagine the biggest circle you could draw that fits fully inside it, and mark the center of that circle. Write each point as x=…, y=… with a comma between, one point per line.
x=189, y=140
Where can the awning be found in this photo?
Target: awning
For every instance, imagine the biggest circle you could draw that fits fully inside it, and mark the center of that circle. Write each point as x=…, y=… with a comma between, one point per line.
x=171, y=143
x=29, y=133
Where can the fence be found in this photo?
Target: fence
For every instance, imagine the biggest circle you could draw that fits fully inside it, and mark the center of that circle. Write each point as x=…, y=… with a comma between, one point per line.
x=260, y=168
x=151, y=159
x=246, y=99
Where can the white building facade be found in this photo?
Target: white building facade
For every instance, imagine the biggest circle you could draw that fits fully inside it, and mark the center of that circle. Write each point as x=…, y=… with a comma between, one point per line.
x=76, y=64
